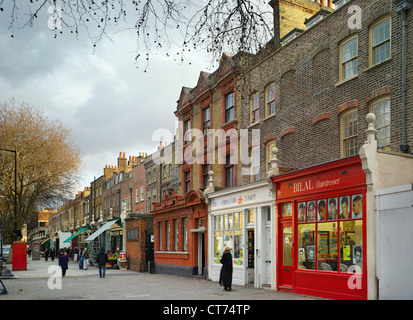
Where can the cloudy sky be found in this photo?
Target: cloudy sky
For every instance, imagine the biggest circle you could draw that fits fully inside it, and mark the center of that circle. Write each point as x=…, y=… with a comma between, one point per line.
x=110, y=105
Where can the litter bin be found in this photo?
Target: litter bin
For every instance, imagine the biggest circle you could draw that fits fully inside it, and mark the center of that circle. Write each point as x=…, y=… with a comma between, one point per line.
x=19, y=256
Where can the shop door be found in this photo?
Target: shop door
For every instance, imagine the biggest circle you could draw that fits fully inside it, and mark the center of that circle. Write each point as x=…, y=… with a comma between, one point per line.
x=285, y=242
x=268, y=254
x=251, y=255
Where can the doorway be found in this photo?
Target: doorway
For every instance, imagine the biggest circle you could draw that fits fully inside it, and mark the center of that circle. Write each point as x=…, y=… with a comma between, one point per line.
x=285, y=247
x=251, y=255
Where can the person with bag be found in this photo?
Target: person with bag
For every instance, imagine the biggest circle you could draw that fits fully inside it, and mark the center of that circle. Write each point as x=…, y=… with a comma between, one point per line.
x=225, y=278
x=85, y=259
x=102, y=259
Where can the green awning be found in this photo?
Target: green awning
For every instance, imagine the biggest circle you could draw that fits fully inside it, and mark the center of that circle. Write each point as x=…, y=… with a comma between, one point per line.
x=76, y=234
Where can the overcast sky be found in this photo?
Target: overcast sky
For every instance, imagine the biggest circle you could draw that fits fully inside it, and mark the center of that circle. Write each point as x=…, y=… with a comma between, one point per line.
x=109, y=104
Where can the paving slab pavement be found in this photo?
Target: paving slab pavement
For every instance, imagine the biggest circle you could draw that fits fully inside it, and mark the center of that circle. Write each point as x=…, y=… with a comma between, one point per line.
x=39, y=282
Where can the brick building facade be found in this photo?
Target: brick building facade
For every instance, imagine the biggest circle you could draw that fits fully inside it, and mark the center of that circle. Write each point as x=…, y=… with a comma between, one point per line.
x=315, y=107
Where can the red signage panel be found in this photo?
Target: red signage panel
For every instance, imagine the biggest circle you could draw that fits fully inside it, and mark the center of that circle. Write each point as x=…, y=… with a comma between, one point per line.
x=335, y=175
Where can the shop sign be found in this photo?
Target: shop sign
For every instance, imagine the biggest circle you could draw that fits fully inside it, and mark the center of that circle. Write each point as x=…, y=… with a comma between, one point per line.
x=322, y=181
x=239, y=199
x=167, y=203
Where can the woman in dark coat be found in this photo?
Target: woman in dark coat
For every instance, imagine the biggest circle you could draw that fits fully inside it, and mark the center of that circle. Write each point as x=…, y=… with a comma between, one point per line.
x=63, y=262
x=226, y=270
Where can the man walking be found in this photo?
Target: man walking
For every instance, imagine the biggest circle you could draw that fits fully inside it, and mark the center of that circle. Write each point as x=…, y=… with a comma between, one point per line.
x=102, y=259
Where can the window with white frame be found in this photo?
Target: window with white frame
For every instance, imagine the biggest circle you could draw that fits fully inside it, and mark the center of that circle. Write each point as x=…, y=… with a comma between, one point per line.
x=349, y=58
x=255, y=109
x=255, y=164
x=270, y=100
x=349, y=131
x=381, y=110
x=380, y=34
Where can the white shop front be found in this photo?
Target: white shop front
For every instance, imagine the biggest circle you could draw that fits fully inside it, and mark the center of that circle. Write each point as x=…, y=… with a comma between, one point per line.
x=242, y=218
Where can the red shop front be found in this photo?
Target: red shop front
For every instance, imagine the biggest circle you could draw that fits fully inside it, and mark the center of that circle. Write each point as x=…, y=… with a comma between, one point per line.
x=321, y=231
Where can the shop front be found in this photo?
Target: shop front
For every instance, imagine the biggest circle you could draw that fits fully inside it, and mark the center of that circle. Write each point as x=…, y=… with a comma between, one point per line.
x=108, y=237
x=180, y=234
x=241, y=218
x=321, y=230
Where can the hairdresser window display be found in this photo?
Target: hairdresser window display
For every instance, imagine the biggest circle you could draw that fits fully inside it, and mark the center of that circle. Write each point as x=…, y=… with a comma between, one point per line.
x=330, y=234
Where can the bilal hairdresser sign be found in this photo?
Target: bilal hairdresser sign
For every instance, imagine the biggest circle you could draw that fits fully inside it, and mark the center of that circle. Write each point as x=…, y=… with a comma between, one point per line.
x=323, y=178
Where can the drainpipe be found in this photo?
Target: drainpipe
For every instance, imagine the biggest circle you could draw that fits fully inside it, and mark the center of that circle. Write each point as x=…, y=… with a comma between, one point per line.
x=403, y=7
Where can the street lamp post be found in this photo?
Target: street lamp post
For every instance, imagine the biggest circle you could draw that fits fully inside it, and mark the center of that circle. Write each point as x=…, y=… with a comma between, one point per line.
x=15, y=190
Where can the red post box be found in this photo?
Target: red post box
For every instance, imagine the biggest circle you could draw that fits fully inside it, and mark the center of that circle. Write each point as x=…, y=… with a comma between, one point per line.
x=19, y=256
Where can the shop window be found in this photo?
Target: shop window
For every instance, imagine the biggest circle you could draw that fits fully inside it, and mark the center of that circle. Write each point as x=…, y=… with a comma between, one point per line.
x=168, y=236
x=176, y=234
x=185, y=233
x=160, y=232
x=330, y=234
x=228, y=231
x=287, y=209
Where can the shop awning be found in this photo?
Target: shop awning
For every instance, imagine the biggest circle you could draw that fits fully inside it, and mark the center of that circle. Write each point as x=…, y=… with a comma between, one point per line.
x=76, y=234
x=102, y=229
x=47, y=239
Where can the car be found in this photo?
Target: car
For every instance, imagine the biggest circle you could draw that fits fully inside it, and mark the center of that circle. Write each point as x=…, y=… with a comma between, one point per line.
x=6, y=251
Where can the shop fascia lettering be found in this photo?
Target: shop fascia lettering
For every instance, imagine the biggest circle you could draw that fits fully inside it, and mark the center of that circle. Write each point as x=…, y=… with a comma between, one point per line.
x=309, y=185
x=259, y=195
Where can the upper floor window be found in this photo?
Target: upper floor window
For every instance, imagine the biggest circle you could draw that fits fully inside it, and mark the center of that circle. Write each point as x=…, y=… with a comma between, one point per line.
x=270, y=100
x=187, y=131
x=187, y=181
x=206, y=118
x=268, y=154
x=229, y=171
x=349, y=58
x=255, y=164
x=142, y=193
x=349, y=128
x=255, y=109
x=205, y=169
x=380, y=41
x=381, y=110
x=229, y=107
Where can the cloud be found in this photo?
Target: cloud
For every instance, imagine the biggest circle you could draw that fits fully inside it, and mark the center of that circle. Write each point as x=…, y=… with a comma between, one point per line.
x=110, y=105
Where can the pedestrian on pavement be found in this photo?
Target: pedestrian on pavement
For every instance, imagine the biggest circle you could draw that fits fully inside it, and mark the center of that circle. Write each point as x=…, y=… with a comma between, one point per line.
x=75, y=254
x=52, y=253
x=80, y=258
x=85, y=258
x=102, y=259
x=63, y=262
x=225, y=278
x=46, y=254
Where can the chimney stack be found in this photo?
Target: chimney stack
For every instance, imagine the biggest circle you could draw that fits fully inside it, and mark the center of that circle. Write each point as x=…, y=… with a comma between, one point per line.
x=300, y=10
